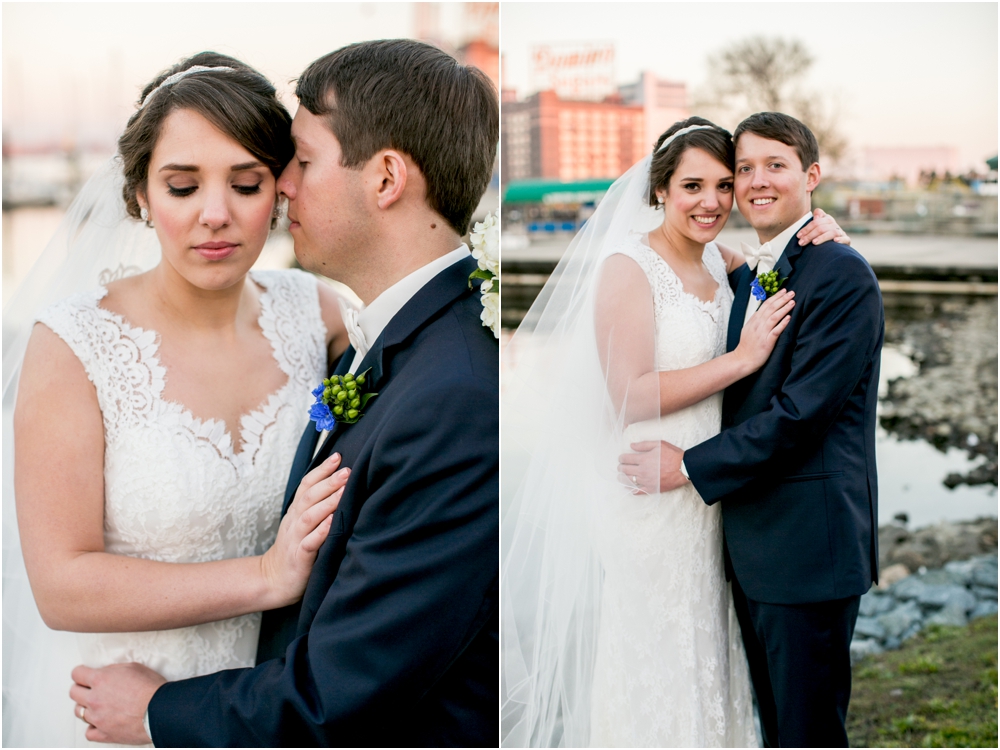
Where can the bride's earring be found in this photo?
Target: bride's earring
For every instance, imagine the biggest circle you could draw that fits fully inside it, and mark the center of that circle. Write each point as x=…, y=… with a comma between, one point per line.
x=277, y=214
x=144, y=215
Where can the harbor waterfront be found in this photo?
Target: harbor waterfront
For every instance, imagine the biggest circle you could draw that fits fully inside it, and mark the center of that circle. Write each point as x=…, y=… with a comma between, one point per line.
x=937, y=443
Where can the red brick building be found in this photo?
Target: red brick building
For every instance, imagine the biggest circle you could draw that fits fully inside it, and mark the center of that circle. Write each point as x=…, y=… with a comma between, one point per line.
x=549, y=137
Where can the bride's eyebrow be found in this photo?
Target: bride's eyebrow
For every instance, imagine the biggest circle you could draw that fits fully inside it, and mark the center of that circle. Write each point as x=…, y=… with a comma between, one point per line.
x=245, y=166
x=192, y=168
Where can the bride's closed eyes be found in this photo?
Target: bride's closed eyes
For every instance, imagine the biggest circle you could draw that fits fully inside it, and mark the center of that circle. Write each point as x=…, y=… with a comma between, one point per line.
x=182, y=191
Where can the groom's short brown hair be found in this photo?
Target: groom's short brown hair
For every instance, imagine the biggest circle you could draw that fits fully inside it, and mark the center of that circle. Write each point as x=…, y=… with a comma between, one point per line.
x=410, y=96
x=783, y=128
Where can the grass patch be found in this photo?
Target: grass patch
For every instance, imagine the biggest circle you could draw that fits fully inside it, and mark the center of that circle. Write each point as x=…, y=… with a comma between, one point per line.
x=938, y=690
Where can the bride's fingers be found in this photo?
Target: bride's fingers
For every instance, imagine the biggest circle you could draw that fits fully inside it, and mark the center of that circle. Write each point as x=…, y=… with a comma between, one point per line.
x=79, y=694
x=644, y=446
x=312, y=541
x=311, y=518
x=326, y=487
x=321, y=472
x=782, y=325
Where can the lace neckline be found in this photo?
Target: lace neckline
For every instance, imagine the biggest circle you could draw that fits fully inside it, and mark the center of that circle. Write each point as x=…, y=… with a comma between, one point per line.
x=212, y=429
x=711, y=306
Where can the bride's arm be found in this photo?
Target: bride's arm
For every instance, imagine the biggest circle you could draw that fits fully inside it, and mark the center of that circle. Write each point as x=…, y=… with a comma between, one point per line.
x=59, y=486
x=682, y=388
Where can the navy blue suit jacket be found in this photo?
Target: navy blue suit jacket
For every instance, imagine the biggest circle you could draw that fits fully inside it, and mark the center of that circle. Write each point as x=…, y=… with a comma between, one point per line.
x=395, y=641
x=794, y=465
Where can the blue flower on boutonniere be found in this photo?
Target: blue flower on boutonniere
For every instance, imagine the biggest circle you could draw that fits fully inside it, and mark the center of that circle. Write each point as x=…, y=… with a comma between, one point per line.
x=766, y=285
x=340, y=398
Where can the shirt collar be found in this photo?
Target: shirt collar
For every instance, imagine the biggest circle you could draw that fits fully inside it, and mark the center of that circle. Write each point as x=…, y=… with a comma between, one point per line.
x=779, y=243
x=376, y=316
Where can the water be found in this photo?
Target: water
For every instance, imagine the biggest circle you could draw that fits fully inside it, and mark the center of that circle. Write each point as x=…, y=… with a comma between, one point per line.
x=938, y=388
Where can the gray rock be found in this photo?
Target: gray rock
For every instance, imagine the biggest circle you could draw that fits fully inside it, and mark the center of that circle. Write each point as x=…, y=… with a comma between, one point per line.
x=891, y=644
x=984, y=609
x=899, y=620
x=873, y=604
x=861, y=649
x=870, y=628
x=939, y=596
x=908, y=588
x=952, y=614
x=985, y=592
x=942, y=577
x=985, y=574
x=962, y=570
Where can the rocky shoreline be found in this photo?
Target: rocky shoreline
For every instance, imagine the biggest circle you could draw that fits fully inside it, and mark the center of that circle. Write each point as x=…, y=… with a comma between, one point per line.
x=944, y=574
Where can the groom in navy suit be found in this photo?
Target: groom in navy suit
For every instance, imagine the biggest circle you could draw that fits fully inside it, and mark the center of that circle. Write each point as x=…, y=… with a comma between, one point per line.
x=794, y=465
x=395, y=641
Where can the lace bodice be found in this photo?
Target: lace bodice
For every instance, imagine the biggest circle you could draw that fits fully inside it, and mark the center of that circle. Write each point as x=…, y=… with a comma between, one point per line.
x=670, y=667
x=175, y=488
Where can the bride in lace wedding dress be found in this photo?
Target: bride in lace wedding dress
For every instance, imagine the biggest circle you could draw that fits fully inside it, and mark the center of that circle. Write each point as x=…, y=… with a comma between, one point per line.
x=619, y=628
x=158, y=413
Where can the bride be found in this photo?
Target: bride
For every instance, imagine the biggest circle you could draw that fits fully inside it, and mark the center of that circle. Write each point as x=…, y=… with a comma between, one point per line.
x=619, y=628
x=158, y=412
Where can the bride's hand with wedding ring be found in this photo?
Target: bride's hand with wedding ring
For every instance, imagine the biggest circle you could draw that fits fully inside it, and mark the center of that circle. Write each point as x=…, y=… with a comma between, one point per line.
x=287, y=564
x=761, y=332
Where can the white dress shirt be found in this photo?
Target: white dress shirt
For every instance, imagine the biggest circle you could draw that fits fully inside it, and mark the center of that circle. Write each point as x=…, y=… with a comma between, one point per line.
x=373, y=318
x=779, y=244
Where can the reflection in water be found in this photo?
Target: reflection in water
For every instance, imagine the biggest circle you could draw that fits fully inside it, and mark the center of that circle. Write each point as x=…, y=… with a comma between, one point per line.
x=951, y=400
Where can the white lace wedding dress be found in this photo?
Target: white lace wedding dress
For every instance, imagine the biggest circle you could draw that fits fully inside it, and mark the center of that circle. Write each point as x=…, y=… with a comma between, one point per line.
x=670, y=667
x=176, y=490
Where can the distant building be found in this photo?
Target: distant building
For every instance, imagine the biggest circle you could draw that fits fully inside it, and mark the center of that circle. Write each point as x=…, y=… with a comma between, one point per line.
x=483, y=55
x=883, y=164
x=663, y=103
x=569, y=140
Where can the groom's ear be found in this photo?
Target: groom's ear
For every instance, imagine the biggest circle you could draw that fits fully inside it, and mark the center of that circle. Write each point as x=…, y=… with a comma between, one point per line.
x=392, y=171
x=812, y=177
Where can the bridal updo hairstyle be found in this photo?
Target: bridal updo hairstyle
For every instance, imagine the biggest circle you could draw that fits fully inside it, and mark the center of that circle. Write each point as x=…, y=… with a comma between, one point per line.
x=717, y=143
x=240, y=102
x=410, y=96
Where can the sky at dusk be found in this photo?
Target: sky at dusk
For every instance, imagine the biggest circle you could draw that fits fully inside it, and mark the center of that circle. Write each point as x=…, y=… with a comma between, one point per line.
x=899, y=74
x=83, y=65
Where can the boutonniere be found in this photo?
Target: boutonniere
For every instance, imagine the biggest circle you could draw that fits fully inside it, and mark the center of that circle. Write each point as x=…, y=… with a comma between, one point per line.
x=340, y=398
x=766, y=284
x=485, y=240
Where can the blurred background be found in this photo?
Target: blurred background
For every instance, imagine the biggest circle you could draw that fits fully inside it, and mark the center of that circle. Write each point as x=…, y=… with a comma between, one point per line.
x=903, y=100
x=72, y=73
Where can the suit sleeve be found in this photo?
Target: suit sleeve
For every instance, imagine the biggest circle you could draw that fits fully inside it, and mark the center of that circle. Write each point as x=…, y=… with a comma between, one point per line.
x=835, y=341
x=417, y=583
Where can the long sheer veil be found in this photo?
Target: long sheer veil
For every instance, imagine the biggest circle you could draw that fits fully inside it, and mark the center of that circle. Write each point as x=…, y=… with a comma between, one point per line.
x=96, y=242
x=571, y=397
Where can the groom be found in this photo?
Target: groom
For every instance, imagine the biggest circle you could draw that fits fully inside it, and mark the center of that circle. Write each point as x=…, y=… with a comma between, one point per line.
x=794, y=466
x=395, y=641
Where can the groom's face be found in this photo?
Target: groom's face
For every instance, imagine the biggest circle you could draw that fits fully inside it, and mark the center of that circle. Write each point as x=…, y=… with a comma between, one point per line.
x=326, y=205
x=772, y=187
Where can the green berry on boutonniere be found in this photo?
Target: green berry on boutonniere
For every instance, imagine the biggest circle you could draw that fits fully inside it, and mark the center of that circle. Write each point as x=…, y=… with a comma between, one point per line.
x=340, y=398
x=766, y=285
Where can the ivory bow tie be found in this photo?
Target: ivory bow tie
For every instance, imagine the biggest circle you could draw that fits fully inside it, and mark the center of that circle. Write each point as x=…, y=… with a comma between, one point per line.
x=354, y=332
x=760, y=258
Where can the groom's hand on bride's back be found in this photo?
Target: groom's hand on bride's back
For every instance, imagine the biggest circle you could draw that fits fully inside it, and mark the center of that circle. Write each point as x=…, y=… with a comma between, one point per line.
x=286, y=566
x=654, y=467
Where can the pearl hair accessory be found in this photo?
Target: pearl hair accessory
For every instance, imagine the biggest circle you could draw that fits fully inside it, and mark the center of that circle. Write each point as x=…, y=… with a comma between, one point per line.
x=169, y=80
x=681, y=132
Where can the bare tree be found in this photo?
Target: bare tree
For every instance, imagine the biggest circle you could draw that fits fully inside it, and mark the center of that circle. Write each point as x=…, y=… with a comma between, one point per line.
x=766, y=74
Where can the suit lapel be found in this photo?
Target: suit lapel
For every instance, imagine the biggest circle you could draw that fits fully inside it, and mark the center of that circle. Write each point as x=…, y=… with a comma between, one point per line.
x=741, y=298
x=431, y=299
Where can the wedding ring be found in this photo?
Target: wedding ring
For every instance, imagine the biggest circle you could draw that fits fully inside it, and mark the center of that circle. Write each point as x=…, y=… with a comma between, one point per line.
x=635, y=479
x=83, y=710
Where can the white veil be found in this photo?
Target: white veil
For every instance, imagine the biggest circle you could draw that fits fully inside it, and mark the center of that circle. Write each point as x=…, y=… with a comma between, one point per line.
x=96, y=242
x=565, y=389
